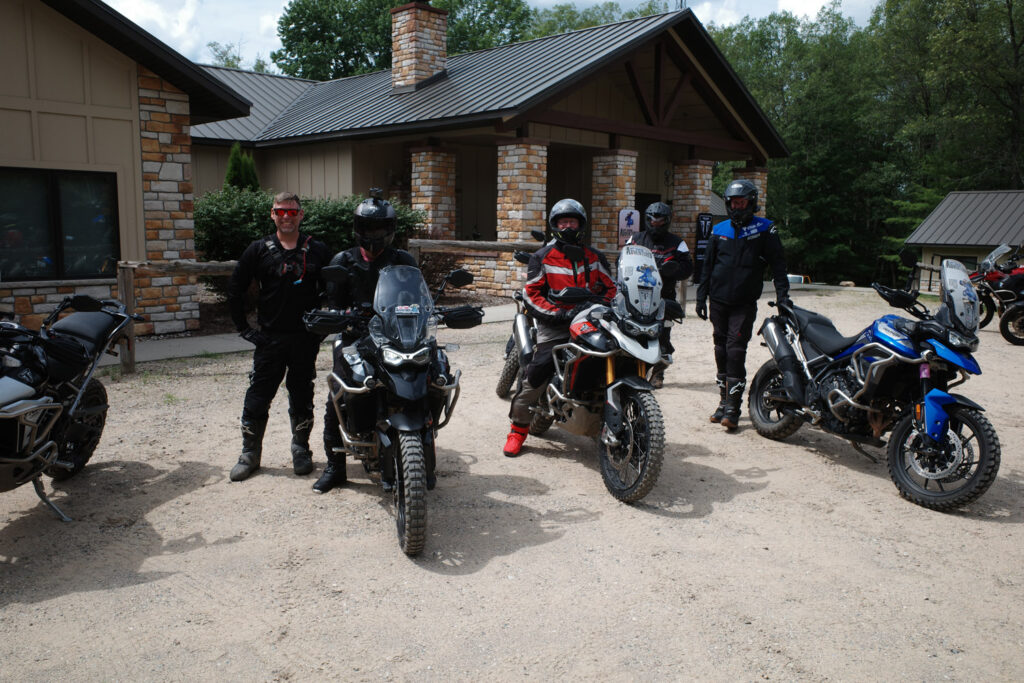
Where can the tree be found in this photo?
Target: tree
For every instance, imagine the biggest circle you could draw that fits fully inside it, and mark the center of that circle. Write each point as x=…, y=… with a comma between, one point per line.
x=567, y=17
x=326, y=39
x=229, y=54
x=241, y=171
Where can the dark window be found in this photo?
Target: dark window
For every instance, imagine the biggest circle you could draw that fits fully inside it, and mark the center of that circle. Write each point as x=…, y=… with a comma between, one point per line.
x=57, y=225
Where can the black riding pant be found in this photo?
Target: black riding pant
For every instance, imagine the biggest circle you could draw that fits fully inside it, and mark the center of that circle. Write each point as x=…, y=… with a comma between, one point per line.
x=288, y=356
x=732, y=327
x=535, y=379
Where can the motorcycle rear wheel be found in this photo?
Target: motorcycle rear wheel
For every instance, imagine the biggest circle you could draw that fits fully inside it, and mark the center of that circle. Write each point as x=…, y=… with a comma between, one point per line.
x=766, y=413
x=508, y=375
x=988, y=310
x=630, y=470
x=410, y=493
x=1011, y=326
x=964, y=468
x=92, y=418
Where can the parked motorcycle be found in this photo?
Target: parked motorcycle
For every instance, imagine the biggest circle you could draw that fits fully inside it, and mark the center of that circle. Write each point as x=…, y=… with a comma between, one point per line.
x=601, y=385
x=393, y=389
x=895, y=375
x=52, y=409
x=520, y=345
x=995, y=293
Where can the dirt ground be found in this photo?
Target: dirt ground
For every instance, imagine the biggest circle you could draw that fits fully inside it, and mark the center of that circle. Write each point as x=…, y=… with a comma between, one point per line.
x=750, y=560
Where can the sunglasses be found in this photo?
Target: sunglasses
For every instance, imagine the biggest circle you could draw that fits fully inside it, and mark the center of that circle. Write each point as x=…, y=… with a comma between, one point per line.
x=286, y=212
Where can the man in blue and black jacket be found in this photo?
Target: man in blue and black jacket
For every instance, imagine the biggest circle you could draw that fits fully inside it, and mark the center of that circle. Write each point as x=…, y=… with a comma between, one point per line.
x=732, y=279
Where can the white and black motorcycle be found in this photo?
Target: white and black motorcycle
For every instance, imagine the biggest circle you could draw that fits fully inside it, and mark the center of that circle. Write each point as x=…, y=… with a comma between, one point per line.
x=52, y=409
x=601, y=385
x=393, y=388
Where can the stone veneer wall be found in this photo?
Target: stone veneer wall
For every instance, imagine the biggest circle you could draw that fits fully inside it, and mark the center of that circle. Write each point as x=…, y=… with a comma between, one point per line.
x=418, y=43
x=613, y=189
x=691, y=195
x=433, y=190
x=170, y=304
x=759, y=176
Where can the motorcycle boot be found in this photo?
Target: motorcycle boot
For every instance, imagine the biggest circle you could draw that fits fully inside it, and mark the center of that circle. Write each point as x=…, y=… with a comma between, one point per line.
x=731, y=416
x=252, y=449
x=514, y=442
x=302, y=457
x=716, y=417
x=334, y=474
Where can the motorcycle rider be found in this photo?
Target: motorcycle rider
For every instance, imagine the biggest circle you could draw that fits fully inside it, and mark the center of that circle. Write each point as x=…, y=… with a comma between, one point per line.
x=562, y=262
x=373, y=225
x=286, y=267
x=734, y=264
x=674, y=264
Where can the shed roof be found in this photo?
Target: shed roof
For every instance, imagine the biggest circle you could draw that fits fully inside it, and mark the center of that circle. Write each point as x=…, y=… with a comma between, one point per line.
x=981, y=219
x=489, y=85
x=209, y=99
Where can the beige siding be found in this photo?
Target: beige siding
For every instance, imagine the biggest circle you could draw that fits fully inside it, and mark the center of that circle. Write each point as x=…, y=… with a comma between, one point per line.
x=319, y=170
x=209, y=165
x=69, y=101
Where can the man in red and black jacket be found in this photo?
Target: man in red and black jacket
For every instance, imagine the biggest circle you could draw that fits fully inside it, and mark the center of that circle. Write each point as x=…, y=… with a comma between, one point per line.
x=551, y=269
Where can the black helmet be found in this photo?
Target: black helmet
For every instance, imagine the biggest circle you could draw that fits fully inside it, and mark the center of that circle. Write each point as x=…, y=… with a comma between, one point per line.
x=568, y=208
x=654, y=212
x=374, y=223
x=741, y=188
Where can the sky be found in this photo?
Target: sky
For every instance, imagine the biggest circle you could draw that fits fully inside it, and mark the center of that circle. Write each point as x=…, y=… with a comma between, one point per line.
x=188, y=25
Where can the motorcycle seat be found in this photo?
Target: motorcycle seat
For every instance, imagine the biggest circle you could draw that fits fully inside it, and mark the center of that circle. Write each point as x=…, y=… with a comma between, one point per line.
x=91, y=328
x=821, y=332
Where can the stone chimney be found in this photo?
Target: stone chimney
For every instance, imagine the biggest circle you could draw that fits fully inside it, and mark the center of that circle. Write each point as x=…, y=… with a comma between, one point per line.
x=419, y=46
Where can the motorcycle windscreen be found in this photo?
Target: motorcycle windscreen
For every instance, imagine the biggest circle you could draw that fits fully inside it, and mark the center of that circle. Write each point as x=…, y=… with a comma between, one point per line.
x=403, y=303
x=958, y=297
x=989, y=262
x=639, y=280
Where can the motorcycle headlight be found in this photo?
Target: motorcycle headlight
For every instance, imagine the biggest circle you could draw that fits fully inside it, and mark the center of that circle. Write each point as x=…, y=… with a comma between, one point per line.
x=964, y=342
x=395, y=357
x=636, y=330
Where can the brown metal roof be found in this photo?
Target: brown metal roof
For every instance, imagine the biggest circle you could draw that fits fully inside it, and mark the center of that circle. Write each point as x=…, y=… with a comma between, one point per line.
x=973, y=219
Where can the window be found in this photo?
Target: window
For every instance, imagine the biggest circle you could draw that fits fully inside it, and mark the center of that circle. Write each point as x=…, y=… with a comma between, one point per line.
x=57, y=225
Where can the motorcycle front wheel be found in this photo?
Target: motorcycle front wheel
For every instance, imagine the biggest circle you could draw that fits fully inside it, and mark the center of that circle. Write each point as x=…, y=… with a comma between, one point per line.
x=508, y=375
x=952, y=473
x=764, y=406
x=82, y=434
x=630, y=469
x=1011, y=326
x=988, y=310
x=410, y=493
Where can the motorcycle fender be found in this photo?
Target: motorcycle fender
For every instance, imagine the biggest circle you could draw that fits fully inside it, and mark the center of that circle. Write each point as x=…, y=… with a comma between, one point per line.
x=613, y=404
x=407, y=384
x=936, y=415
x=412, y=418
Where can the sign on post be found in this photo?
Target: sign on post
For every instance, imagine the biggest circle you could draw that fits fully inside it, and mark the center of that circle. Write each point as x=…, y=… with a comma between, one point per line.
x=629, y=225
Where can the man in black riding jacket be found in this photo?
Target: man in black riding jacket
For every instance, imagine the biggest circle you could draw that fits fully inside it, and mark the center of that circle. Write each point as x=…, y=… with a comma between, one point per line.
x=286, y=267
x=374, y=226
x=674, y=264
x=732, y=279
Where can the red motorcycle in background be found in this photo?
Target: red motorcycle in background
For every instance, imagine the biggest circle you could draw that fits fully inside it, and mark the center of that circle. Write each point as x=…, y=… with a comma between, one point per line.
x=1000, y=289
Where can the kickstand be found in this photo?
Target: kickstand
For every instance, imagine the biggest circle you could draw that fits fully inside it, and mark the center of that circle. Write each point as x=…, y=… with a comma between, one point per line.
x=42, y=496
x=860, y=449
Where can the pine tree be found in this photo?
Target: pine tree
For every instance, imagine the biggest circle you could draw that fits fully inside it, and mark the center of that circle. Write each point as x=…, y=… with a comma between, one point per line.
x=241, y=171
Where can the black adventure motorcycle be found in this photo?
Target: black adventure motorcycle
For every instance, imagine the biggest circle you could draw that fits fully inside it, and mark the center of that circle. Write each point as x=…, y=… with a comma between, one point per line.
x=393, y=389
x=895, y=375
x=52, y=409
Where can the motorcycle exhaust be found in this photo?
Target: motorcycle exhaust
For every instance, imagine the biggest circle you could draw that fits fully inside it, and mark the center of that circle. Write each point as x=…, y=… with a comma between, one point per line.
x=785, y=357
x=524, y=340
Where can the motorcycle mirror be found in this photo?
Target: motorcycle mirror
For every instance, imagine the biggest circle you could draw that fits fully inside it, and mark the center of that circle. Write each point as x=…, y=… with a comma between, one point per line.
x=522, y=256
x=460, y=278
x=334, y=273
x=538, y=235
x=908, y=257
x=85, y=303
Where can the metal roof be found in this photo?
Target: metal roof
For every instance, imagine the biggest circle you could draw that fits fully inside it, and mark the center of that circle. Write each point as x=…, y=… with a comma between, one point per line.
x=485, y=86
x=270, y=95
x=982, y=219
x=209, y=99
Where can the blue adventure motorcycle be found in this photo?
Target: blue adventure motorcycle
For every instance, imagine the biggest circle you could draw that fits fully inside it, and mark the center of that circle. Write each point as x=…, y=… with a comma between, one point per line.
x=895, y=375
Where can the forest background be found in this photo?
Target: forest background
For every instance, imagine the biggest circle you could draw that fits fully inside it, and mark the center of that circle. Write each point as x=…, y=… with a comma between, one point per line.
x=882, y=121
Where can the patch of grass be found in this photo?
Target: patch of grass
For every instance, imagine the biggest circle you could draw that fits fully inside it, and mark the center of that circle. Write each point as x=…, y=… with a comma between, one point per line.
x=171, y=399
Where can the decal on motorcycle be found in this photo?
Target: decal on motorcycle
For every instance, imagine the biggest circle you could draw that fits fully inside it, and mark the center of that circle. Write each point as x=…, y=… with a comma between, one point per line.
x=630, y=250
x=581, y=328
x=411, y=309
x=646, y=278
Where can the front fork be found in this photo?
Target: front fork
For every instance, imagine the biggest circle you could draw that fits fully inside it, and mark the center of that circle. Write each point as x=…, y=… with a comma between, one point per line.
x=612, y=405
x=930, y=414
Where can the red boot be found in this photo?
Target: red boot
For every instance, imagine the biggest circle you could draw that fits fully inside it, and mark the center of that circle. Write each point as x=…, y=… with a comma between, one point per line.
x=514, y=443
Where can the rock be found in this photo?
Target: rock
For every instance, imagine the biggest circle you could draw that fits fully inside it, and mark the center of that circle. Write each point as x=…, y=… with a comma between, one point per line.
x=847, y=283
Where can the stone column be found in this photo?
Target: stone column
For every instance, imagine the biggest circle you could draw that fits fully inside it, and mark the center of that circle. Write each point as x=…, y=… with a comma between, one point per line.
x=759, y=176
x=433, y=190
x=522, y=198
x=170, y=304
x=691, y=195
x=613, y=189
